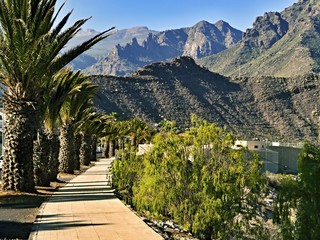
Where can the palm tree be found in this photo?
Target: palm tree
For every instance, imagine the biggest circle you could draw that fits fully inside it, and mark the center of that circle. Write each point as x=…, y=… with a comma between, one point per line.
x=64, y=85
x=139, y=131
x=69, y=113
x=31, y=41
x=91, y=127
x=40, y=161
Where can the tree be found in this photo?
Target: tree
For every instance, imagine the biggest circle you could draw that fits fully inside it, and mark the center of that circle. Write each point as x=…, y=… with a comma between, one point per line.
x=228, y=184
x=197, y=179
x=298, y=201
x=138, y=131
x=31, y=41
x=70, y=111
x=64, y=85
x=91, y=125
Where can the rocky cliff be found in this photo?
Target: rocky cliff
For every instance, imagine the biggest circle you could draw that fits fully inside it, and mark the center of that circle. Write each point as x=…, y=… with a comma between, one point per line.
x=279, y=44
x=203, y=39
x=104, y=47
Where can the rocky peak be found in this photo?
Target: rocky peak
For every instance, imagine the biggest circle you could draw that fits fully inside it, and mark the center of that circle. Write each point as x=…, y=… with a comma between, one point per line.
x=134, y=41
x=150, y=42
x=223, y=26
x=183, y=60
x=231, y=35
x=266, y=31
x=202, y=25
x=203, y=39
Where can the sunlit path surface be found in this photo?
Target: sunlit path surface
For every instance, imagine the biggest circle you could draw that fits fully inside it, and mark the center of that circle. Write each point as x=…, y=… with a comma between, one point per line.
x=86, y=208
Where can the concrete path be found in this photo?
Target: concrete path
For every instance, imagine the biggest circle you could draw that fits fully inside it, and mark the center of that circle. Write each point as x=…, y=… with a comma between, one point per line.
x=86, y=208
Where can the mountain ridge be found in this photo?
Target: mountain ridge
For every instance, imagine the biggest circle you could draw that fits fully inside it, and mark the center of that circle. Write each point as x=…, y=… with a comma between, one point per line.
x=263, y=107
x=279, y=44
x=202, y=39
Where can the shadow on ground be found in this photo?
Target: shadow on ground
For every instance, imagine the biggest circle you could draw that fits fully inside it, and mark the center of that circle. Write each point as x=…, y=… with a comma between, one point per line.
x=8, y=230
x=17, y=214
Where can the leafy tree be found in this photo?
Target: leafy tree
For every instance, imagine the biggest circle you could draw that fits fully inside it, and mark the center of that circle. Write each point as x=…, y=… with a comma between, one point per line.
x=164, y=186
x=298, y=202
x=31, y=41
x=198, y=180
x=126, y=172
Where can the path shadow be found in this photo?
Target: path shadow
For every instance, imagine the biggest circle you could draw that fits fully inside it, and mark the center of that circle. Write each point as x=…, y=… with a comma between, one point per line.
x=92, y=189
x=82, y=186
x=8, y=230
x=81, y=197
x=58, y=225
x=21, y=201
x=101, y=181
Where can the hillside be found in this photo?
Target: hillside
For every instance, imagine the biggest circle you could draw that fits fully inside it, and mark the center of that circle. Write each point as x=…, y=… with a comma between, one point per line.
x=279, y=44
x=272, y=108
x=200, y=40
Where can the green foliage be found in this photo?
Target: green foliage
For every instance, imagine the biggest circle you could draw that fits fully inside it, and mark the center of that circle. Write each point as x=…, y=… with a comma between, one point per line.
x=126, y=170
x=298, y=203
x=226, y=182
x=198, y=180
x=167, y=174
x=168, y=126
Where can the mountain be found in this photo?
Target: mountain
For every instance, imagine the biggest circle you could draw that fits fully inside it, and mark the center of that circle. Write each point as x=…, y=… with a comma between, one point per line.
x=102, y=48
x=279, y=44
x=203, y=39
x=264, y=107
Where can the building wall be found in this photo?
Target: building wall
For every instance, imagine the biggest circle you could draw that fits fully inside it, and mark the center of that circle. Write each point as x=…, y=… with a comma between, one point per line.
x=270, y=160
x=288, y=158
x=251, y=145
x=144, y=148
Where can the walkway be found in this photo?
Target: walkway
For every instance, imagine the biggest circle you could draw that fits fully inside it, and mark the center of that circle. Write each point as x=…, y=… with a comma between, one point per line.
x=86, y=208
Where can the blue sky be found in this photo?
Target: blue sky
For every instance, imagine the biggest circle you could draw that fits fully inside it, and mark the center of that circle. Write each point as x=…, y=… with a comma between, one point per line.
x=169, y=14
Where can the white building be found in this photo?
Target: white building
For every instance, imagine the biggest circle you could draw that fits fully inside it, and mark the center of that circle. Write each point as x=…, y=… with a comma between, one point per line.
x=144, y=148
x=269, y=157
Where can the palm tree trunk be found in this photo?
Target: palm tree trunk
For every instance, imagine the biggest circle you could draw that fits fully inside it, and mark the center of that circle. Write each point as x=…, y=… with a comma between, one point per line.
x=54, y=156
x=134, y=141
x=77, y=147
x=93, y=148
x=105, y=149
x=21, y=121
x=66, y=152
x=112, y=147
x=121, y=143
x=41, y=159
x=85, y=150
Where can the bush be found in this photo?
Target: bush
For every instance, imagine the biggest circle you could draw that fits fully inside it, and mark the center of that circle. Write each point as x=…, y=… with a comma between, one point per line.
x=198, y=180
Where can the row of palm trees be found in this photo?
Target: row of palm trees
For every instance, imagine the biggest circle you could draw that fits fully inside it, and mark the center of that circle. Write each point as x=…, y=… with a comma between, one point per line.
x=51, y=125
x=118, y=135
x=40, y=94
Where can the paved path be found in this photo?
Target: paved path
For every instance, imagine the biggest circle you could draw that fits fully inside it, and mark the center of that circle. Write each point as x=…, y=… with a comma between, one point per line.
x=87, y=209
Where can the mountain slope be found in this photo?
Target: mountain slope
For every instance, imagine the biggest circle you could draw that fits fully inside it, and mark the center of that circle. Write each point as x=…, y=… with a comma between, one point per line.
x=273, y=108
x=203, y=39
x=279, y=44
